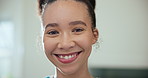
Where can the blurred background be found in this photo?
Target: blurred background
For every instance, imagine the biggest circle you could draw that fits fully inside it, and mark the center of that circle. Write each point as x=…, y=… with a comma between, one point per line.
x=123, y=51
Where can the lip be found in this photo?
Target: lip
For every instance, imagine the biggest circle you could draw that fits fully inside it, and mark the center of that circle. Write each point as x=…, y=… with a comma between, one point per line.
x=69, y=60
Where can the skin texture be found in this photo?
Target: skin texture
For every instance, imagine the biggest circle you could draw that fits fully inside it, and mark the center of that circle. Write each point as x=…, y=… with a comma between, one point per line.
x=68, y=29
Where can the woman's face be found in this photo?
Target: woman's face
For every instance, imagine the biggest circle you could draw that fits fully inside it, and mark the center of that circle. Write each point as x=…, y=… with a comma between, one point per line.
x=68, y=35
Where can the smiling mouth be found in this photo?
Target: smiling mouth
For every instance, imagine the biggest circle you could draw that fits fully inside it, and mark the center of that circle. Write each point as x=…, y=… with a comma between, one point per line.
x=67, y=58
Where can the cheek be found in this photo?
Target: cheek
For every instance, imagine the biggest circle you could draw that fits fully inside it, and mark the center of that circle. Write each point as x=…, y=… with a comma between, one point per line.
x=49, y=45
x=85, y=42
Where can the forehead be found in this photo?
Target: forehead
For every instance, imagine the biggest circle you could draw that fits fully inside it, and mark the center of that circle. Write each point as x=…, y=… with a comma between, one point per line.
x=65, y=10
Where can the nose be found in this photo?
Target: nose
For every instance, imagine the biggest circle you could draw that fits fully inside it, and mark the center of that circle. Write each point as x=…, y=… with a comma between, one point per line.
x=66, y=42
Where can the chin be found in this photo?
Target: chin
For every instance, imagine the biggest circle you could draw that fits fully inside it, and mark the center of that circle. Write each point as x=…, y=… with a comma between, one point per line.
x=68, y=70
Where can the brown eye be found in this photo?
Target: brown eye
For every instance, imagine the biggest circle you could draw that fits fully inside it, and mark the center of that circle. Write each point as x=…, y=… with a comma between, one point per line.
x=53, y=32
x=78, y=30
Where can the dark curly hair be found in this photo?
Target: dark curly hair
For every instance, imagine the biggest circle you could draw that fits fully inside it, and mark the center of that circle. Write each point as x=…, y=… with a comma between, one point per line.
x=89, y=3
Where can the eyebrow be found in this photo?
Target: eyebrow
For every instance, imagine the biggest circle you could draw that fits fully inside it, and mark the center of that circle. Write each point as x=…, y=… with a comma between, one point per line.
x=51, y=25
x=77, y=22
x=71, y=23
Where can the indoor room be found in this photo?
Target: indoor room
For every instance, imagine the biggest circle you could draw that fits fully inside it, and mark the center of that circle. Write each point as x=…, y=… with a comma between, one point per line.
x=120, y=52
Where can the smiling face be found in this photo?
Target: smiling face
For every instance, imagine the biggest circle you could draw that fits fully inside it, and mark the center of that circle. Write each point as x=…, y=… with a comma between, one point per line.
x=68, y=35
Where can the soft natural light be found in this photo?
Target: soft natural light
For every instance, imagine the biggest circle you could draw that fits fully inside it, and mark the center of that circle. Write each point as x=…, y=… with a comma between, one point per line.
x=6, y=47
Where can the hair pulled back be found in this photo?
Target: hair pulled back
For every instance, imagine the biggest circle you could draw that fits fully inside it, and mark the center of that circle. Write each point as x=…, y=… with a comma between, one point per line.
x=89, y=3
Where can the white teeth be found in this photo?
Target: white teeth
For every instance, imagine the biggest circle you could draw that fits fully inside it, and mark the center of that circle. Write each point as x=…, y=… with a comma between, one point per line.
x=72, y=56
x=67, y=57
x=61, y=56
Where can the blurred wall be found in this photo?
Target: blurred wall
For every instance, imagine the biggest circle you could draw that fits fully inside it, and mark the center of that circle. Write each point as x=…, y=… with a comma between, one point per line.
x=123, y=28
x=12, y=11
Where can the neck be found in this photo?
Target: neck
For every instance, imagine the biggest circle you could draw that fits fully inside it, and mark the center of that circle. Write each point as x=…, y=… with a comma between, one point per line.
x=81, y=73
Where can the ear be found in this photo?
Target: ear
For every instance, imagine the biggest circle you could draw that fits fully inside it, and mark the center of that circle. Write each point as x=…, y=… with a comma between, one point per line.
x=95, y=35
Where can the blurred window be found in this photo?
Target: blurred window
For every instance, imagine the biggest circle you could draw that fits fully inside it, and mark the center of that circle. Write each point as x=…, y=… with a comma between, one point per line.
x=6, y=47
